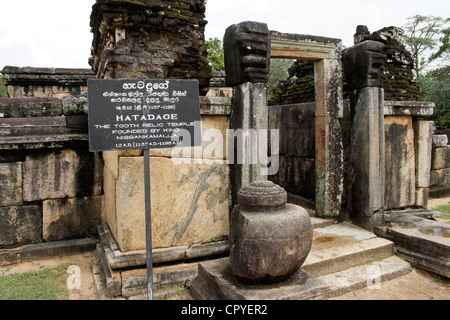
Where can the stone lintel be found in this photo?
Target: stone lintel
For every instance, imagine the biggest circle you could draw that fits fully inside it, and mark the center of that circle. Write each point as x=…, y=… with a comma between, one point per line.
x=408, y=108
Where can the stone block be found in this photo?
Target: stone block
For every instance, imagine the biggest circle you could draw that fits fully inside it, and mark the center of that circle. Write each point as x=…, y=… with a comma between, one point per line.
x=400, y=174
x=247, y=53
x=441, y=158
x=190, y=203
x=20, y=225
x=30, y=107
x=61, y=174
x=11, y=183
x=71, y=218
x=440, y=140
x=440, y=177
x=422, y=195
x=423, y=133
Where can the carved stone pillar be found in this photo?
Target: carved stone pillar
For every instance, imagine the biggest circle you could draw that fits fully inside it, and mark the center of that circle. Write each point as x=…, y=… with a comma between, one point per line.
x=361, y=64
x=247, y=64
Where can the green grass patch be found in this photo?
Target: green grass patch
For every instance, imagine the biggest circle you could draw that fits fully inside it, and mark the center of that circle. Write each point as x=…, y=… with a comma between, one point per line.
x=444, y=210
x=46, y=284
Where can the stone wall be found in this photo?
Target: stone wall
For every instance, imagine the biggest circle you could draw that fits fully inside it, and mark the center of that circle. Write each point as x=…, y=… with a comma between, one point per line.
x=297, y=148
x=45, y=82
x=396, y=75
x=150, y=39
x=50, y=184
x=440, y=168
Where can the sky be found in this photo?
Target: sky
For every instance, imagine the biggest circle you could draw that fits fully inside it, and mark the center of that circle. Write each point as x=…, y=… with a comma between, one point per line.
x=56, y=33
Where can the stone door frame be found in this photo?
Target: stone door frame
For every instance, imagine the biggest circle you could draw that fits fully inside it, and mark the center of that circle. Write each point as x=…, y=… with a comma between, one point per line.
x=326, y=54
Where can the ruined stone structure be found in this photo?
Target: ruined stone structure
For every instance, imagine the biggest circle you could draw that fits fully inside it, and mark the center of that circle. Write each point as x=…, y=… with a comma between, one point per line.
x=150, y=39
x=45, y=82
x=51, y=185
x=396, y=76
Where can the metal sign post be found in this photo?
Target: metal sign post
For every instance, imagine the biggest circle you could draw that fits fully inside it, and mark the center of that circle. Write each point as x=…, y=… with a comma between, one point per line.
x=148, y=224
x=133, y=114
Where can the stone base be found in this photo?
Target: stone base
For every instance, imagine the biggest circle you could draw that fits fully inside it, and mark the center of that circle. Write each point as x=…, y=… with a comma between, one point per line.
x=422, y=242
x=215, y=281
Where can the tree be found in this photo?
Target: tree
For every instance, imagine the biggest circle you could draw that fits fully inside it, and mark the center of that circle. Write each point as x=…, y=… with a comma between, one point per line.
x=422, y=36
x=278, y=72
x=216, y=54
x=2, y=88
x=435, y=87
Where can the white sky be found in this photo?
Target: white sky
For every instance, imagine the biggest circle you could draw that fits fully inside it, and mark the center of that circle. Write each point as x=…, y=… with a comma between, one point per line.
x=56, y=33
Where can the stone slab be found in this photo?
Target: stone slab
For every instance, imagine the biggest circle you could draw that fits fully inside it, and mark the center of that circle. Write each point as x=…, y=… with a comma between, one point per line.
x=215, y=281
x=119, y=260
x=423, y=135
x=400, y=173
x=369, y=276
x=20, y=225
x=190, y=203
x=408, y=108
x=441, y=158
x=61, y=174
x=423, y=242
x=342, y=249
x=11, y=184
x=71, y=217
x=440, y=177
x=440, y=140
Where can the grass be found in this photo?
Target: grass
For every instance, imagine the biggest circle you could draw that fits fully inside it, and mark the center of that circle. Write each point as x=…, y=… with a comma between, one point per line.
x=46, y=284
x=444, y=210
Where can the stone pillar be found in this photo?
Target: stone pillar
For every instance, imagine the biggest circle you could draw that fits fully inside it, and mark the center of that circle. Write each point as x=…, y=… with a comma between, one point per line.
x=361, y=64
x=247, y=64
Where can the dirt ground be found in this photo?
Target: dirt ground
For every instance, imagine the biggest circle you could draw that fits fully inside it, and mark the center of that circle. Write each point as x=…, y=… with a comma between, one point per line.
x=416, y=285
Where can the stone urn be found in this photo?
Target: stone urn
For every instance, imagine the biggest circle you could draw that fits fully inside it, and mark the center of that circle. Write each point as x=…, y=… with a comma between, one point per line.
x=269, y=238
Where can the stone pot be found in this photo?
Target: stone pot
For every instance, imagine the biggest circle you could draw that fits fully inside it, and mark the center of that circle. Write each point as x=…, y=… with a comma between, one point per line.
x=269, y=238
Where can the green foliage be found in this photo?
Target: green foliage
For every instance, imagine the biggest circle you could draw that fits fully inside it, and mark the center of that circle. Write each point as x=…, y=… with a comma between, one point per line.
x=422, y=36
x=435, y=87
x=278, y=72
x=2, y=88
x=216, y=54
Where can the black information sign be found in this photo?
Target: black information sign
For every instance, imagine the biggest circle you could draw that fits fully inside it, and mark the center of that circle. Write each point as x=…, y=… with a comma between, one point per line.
x=143, y=114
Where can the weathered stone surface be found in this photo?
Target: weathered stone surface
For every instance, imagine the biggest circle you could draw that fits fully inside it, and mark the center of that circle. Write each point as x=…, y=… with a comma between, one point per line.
x=422, y=242
x=269, y=239
x=190, y=203
x=150, y=39
x=362, y=64
x=249, y=114
x=441, y=158
x=399, y=162
x=215, y=281
x=440, y=140
x=74, y=105
x=30, y=107
x=61, y=174
x=11, y=183
x=423, y=133
x=408, y=108
x=422, y=195
x=440, y=177
x=71, y=218
x=366, y=155
x=247, y=53
x=20, y=225
x=271, y=246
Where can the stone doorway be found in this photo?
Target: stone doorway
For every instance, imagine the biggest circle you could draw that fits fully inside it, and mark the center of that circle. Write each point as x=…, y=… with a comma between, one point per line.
x=328, y=160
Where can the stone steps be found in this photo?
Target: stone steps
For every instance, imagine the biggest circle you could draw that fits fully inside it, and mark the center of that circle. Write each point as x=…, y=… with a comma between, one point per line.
x=343, y=258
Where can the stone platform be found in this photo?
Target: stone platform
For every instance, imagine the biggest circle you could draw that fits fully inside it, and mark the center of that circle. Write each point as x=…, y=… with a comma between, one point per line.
x=343, y=258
